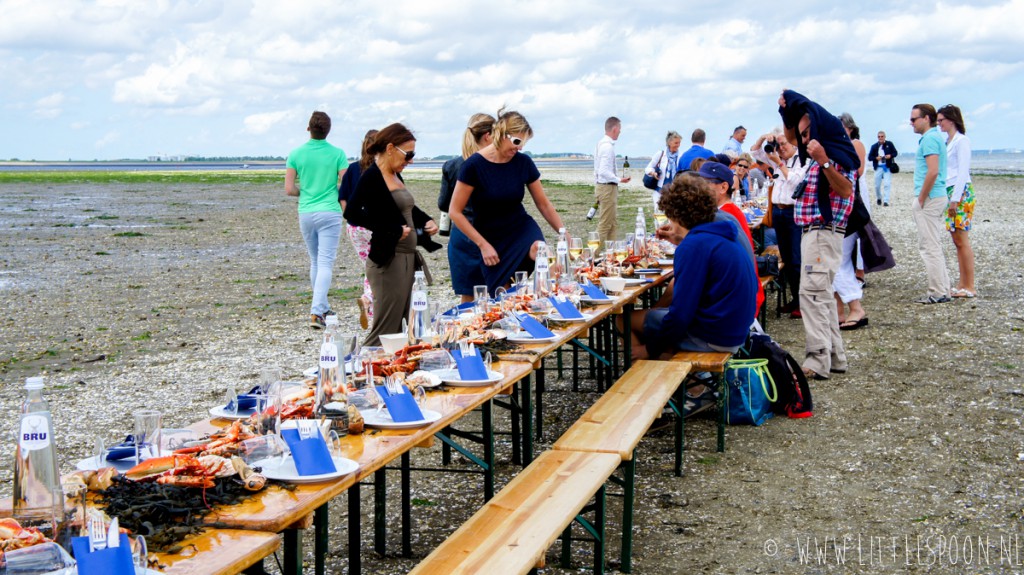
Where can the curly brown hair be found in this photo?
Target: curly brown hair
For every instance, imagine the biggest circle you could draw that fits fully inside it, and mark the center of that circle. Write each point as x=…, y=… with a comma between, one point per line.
x=688, y=201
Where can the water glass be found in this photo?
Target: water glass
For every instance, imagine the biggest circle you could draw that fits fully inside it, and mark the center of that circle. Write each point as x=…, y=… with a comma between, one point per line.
x=140, y=552
x=269, y=375
x=265, y=447
x=148, y=423
x=609, y=250
x=268, y=409
x=36, y=559
x=480, y=298
x=521, y=278
x=75, y=493
x=348, y=349
x=436, y=360
x=231, y=399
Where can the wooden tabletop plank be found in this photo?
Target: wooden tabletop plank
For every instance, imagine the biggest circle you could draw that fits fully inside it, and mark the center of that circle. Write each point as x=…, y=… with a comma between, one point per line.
x=618, y=419
x=512, y=531
x=704, y=360
x=219, y=552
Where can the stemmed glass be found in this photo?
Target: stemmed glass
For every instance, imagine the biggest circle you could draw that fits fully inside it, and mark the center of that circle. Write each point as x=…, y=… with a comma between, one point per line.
x=575, y=248
x=609, y=251
x=594, y=242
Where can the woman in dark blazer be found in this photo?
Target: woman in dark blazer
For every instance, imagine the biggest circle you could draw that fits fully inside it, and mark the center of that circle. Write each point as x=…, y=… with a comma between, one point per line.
x=383, y=205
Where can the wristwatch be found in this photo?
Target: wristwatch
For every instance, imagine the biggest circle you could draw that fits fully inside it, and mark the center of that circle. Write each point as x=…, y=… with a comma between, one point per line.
x=826, y=165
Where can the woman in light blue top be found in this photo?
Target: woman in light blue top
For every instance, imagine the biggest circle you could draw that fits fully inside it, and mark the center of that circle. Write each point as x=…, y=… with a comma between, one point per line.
x=960, y=192
x=313, y=173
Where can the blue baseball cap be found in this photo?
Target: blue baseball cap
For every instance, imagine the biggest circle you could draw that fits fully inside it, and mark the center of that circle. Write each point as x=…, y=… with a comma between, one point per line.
x=716, y=172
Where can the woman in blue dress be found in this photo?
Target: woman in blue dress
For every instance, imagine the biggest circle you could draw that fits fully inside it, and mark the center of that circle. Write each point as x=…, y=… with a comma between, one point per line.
x=493, y=182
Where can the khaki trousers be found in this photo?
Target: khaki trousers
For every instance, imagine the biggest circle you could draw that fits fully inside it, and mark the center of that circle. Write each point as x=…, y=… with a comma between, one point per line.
x=820, y=252
x=607, y=227
x=930, y=231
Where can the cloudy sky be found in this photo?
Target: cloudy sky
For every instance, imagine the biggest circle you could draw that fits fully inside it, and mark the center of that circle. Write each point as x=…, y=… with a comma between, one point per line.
x=113, y=79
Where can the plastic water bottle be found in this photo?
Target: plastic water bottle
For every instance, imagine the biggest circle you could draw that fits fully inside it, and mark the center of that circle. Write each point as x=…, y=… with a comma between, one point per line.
x=419, y=323
x=541, y=272
x=38, y=497
x=329, y=389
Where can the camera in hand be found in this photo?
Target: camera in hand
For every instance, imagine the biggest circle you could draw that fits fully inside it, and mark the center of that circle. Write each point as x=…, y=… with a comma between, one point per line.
x=770, y=146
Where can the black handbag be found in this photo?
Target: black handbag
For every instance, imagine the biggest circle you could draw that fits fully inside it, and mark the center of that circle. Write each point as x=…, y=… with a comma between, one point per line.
x=894, y=167
x=651, y=182
x=768, y=266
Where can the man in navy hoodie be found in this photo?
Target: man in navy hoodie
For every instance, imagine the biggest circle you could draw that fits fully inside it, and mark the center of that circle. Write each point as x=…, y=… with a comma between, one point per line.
x=714, y=295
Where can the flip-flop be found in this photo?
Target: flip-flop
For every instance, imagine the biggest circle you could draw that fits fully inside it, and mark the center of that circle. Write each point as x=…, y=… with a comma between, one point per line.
x=958, y=292
x=850, y=325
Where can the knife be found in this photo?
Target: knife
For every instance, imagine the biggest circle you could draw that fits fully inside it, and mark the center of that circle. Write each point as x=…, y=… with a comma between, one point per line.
x=113, y=535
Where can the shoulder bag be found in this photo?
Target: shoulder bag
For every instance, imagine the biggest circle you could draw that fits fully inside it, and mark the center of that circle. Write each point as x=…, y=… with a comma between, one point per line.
x=651, y=182
x=750, y=392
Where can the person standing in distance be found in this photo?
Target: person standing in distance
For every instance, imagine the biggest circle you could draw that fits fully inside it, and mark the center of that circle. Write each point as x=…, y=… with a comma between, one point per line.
x=735, y=143
x=313, y=172
x=930, y=201
x=882, y=155
x=606, y=187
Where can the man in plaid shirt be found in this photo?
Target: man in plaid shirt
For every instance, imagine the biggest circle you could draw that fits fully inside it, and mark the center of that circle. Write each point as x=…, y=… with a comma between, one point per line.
x=822, y=209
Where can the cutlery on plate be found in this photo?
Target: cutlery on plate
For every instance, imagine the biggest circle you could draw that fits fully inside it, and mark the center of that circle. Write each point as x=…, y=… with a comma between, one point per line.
x=113, y=534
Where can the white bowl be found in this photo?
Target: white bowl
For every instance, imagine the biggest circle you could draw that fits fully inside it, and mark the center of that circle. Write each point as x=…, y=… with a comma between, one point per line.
x=392, y=342
x=613, y=284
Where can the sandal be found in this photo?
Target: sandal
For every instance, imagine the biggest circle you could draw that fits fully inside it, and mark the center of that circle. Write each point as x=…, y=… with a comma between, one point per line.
x=958, y=292
x=811, y=374
x=852, y=324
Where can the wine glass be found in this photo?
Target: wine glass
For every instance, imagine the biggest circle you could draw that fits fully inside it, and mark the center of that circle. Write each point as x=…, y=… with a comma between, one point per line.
x=575, y=248
x=594, y=241
x=621, y=252
x=609, y=251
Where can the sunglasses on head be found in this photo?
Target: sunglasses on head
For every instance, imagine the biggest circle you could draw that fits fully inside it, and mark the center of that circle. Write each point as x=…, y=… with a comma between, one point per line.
x=408, y=155
x=516, y=140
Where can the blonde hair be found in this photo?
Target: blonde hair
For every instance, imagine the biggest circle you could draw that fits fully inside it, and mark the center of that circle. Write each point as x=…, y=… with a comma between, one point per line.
x=479, y=126
x=510, y=122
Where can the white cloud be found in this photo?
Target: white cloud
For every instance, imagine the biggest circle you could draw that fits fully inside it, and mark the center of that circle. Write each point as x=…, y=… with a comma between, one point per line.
x=263, y=122
x=107, y=139
x=49, y=107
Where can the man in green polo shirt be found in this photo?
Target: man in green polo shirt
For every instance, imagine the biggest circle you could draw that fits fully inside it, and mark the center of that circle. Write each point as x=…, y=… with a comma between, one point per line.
x=312, y=173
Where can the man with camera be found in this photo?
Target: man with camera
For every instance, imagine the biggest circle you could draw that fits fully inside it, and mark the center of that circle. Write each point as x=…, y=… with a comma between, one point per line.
x=882, y=154
x=823, y=203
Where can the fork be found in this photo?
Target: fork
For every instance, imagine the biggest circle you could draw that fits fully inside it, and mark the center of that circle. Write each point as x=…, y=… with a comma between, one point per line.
x=97, y=534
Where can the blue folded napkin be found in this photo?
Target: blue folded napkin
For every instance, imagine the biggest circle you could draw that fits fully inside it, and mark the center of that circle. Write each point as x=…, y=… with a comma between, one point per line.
x=534, y=327
x=749, y=218
x=311, y=455
x=402, y=406
x=109, y=561
x=758, y=212
x=565, y=308
x=471, y=368
x=122, y=450
x=594, y=292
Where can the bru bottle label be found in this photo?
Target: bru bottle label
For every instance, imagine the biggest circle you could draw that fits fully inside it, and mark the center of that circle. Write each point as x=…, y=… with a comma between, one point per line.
x=419, y=300
x=328, y=355
x=35, y=432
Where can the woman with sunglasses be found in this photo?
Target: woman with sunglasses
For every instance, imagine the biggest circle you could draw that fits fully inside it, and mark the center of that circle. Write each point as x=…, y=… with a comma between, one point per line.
x=383, y=205
x=960, y=192
x=463, y=255
x=493, y=182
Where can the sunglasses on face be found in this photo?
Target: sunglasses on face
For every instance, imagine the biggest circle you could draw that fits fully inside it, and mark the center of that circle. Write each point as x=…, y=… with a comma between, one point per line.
x=913, y=119
x=516, y=140
x=744, y=166
x=408, y=155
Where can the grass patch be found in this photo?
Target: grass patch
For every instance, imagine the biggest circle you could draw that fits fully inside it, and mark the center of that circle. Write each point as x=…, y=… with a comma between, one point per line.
x=707, y=460
x=347, y=292
x=107, y=217
x=417, y=502
x=114, y=177
x=102, y=328
x=1006, y=365
x=144, y=336
x=129, y=235
x=134, y=286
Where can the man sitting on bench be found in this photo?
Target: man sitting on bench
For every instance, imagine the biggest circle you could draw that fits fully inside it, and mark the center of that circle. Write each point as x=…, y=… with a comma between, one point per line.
x=714, y=294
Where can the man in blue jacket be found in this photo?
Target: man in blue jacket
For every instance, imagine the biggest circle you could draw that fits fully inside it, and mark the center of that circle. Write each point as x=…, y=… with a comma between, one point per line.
x=883, y=154
x=713, y=298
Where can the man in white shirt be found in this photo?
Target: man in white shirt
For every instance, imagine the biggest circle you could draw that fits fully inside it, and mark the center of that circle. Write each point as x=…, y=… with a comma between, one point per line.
x=735, y=143
x=606, y=181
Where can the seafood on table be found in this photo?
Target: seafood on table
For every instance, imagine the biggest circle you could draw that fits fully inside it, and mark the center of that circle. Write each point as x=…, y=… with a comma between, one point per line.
x=201, y=471
x=225, y=442
x=14, y=536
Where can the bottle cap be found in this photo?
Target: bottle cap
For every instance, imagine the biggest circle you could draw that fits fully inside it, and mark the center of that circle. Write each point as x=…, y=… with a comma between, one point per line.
x=561, y=230
x=35, y=382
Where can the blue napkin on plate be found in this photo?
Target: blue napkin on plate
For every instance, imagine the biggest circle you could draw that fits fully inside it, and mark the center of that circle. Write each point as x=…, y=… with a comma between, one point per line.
x=758, y=212
x=311, y=455
x=594, y=292
x=565, y=308
x=401, y=407
x=534, y=327
x=461, y=308
x=471, y=368
x=109, y=561
x=122, y=450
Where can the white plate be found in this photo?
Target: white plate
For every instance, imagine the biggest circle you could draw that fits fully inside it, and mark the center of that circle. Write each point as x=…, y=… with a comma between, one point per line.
x=285, y=471
x=586, y=316
x=525, y=337
x=589, y=299
x=223, y=413
x=635, y=281
x=666, y=261
x=122, y=465
x=382, y=420
x=74, y=571
x=431, y=379
x=452, y=377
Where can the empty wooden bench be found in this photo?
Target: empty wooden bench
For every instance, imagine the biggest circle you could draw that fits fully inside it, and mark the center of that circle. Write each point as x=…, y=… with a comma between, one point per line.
x=713, y=362
x=616, y=423
x=512, y=531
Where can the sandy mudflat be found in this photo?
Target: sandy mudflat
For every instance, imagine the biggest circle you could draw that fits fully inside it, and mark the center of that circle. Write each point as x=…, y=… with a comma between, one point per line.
x=151, y=295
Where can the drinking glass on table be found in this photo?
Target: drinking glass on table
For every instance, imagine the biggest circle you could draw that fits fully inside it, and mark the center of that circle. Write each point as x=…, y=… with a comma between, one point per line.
x=575, y=248
x=268, y=449
x=660, y=219
x=621, y=251
x=269, y=375
x=521, y=279
x=480, y=299
x=609, y=251
x=148, y=423
x=42, y=558
x=140, y=552
x=594, y=242
x=268, y=409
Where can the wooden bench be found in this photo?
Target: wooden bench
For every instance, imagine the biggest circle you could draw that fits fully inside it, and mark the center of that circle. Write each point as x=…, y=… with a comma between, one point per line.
x=617, y=422
x=512, y=531
x=710, y=361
